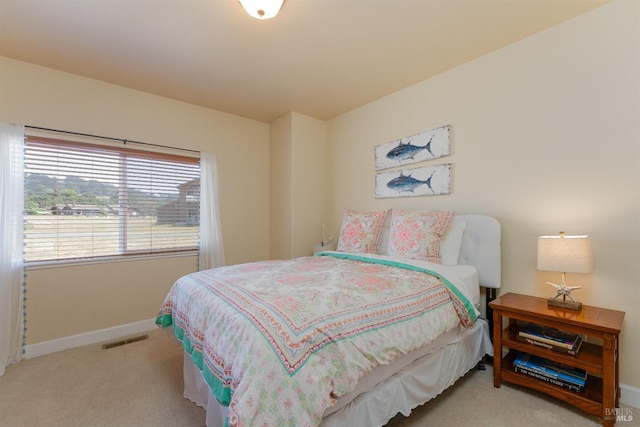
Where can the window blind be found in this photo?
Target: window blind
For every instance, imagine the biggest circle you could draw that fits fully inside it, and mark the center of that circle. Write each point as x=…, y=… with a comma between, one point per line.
x=87, y=201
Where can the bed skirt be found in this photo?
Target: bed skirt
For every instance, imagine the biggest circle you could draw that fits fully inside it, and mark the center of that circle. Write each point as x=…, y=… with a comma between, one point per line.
x=413, y=385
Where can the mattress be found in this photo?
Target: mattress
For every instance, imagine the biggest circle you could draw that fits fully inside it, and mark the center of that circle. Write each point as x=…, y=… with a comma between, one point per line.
x=373, y=310
x=469, y=281
x=384, y=371
x=400, y=387
x=418, y=382
x=465, y=276
x=456, y=339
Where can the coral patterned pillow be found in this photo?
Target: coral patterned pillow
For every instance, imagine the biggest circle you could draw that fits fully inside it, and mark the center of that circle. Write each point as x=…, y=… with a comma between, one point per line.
x=360, y=231
x=417, y=235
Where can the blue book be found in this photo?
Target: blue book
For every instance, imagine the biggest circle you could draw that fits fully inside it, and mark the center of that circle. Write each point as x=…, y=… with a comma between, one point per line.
x=552, y=369
x=555, y=381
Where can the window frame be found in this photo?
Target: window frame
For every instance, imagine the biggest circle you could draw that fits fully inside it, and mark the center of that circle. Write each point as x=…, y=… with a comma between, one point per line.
x=124, y=153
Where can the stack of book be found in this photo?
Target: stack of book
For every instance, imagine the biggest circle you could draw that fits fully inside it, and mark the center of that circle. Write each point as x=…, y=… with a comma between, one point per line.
x=552, y=372
x=551, y=338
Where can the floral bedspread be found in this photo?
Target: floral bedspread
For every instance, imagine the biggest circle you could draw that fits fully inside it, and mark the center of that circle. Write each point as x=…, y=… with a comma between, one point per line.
x=281, y=341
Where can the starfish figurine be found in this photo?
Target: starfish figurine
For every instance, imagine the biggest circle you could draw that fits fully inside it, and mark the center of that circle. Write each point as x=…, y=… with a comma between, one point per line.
x=564, y=290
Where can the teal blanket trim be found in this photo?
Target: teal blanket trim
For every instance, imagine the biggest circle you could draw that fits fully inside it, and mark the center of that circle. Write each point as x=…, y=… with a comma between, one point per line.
x=221, y=392
x=467, y=304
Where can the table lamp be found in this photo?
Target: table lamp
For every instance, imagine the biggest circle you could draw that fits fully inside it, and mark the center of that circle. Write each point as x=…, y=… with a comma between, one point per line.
x=567, y=254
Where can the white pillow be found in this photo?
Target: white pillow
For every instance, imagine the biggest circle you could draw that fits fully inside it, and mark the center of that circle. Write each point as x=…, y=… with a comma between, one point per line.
x=452, y=242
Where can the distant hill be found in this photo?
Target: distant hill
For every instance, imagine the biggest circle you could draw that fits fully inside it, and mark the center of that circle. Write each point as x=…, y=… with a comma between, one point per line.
x=43, y=192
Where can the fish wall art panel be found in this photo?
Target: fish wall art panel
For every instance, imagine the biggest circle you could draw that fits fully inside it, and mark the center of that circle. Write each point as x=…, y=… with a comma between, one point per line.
x=424, y=181
x=420, y=147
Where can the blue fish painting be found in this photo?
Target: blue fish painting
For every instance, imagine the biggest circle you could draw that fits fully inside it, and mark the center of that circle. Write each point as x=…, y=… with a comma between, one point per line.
x=408, y=151
x=420, y=147
x=422, y=181
x=407, y=183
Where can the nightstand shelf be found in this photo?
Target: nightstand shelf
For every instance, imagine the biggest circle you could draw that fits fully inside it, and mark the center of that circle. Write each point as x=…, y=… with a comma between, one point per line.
x=602, y=390
x=588, y=358
x=589, y=400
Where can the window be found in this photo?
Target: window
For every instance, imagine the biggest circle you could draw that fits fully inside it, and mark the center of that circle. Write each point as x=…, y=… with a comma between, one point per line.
x=92, y=201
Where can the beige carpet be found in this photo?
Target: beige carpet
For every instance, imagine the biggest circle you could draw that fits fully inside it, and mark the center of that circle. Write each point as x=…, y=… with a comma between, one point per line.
x=140, y=384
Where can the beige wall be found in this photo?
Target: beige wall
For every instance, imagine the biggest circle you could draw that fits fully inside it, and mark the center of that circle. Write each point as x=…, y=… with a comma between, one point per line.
x=298, y=185
x=309, y=186
x=545, y=137
x=72, y=300
x=281, y=184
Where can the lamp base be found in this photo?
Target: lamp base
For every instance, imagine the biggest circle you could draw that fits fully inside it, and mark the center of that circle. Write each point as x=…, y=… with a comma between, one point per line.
x=573, y=305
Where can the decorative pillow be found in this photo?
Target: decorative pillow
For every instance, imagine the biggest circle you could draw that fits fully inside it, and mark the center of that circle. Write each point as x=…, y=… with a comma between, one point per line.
x=452, y=242
x=417, y=235
x=360, y=231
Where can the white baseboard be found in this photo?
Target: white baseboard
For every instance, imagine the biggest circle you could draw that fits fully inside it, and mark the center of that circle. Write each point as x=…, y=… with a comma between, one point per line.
x=87, y=338
x=630, y=395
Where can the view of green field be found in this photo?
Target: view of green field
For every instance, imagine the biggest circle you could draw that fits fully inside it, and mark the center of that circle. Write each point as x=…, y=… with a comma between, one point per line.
x=77, y=236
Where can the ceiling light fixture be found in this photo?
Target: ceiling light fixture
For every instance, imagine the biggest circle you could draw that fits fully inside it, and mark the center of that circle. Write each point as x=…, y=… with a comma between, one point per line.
x=262, y=9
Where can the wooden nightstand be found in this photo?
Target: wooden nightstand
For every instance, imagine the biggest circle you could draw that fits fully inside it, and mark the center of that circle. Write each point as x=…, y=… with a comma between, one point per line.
x=602, y=390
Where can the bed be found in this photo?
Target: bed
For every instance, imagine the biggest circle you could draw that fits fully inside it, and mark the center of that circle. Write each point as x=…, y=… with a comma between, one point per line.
x=311, y=342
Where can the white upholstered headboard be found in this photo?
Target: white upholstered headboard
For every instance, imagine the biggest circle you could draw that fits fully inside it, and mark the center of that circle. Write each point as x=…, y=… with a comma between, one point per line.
x=481, y=248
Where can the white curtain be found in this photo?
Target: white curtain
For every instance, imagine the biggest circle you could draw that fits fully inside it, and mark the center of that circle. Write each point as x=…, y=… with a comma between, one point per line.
x=11, y=243
x=211, y=248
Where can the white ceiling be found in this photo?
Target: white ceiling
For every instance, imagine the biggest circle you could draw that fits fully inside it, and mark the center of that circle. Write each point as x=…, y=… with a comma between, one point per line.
x=321, y=58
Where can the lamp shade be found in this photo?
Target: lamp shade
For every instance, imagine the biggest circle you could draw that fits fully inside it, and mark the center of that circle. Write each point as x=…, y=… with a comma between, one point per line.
x=262, y=9
x=568, y=254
